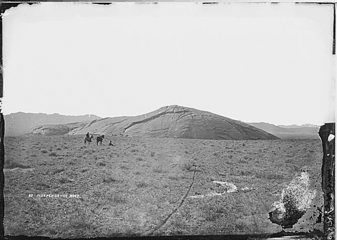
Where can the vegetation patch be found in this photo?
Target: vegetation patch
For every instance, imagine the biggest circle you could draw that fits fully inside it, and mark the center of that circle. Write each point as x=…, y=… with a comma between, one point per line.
x=53, y=154
x=242, y=161
x=42, y=186
x=102, y=164
x=158, y=170
x=64, y=180
x=123, y=194
x=55, y=171
x=119, y=199
x=188, y=167
x=142, y=185
x=110, y=180
x=269, y=175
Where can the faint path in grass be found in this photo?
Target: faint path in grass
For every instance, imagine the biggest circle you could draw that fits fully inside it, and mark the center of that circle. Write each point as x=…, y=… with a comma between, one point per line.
x=18, y=169
x=150, y=232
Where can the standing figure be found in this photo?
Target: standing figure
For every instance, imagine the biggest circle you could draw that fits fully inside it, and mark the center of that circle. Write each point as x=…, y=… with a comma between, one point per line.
x=100, y=139
x=88, y=138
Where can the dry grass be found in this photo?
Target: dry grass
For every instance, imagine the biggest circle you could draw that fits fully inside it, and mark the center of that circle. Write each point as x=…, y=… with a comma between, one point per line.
x=131, y=188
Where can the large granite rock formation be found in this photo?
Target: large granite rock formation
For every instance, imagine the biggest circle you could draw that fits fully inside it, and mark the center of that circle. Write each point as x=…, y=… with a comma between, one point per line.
x=175, y=122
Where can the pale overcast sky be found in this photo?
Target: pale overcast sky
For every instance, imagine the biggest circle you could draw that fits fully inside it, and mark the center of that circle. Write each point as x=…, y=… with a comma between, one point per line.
x=250, y=62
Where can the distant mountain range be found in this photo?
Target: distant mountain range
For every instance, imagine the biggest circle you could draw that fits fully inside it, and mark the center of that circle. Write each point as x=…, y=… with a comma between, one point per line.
x=299, y=126
x=306, y=131
x=22, y=123
x=169, y=121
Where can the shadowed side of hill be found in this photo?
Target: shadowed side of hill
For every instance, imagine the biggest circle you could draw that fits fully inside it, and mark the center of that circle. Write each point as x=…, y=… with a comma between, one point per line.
x=175, y=122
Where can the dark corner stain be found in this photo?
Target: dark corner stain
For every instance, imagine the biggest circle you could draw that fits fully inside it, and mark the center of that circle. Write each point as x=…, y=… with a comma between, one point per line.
x=327, y=135
x=2, y=176
x=6, y=6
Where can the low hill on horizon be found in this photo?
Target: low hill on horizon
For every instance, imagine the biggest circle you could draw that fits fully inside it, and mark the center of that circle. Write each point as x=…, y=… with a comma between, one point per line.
x=21, y=123
x=174, y=122
x=306, y=131
x=298, y=126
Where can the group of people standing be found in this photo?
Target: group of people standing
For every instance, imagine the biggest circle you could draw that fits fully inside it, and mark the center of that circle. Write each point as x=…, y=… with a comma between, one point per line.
x=99, y=139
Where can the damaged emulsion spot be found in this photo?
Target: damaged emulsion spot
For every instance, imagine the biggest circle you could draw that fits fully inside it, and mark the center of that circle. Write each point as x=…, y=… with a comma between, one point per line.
x=226, y=188
x=295, y=200
x=331, y=137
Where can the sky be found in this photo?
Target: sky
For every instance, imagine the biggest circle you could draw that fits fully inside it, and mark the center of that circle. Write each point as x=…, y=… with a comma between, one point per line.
x=250, y=62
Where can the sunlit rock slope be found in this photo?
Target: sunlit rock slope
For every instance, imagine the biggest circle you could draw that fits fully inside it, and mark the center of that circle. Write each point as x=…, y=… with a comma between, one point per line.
x=176, y=122
x=57, y=129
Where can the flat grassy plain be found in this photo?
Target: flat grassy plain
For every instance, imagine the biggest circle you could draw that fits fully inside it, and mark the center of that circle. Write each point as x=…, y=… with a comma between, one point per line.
x=145, y=186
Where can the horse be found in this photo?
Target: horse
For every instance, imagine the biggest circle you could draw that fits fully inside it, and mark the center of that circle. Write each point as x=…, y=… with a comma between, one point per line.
x=100, y=139
x=88, y=139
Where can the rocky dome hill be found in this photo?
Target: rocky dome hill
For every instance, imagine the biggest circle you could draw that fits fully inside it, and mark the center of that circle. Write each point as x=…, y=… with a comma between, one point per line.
x=175, y=122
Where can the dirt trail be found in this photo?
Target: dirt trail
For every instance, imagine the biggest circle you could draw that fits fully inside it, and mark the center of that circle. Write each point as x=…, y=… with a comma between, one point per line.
x=150, y=232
